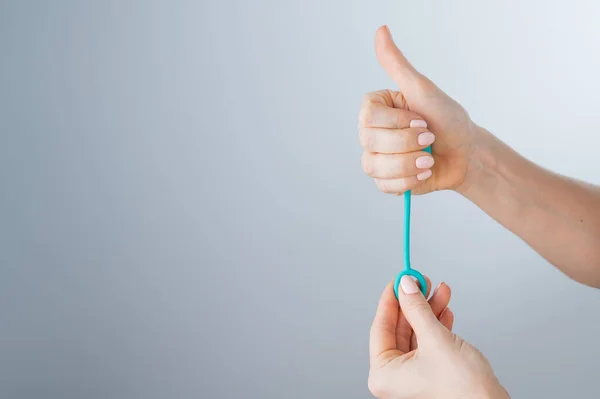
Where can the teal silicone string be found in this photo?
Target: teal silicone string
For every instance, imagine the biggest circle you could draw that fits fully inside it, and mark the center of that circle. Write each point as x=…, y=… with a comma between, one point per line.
x=408, y=270
x=407, y=203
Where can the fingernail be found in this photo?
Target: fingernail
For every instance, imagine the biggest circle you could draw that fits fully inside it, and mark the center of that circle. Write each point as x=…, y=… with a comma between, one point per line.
x=436, y=289
x=418, y=123
x=424, y=162
x=424, y=175
x=426, y=138
x=409, y=286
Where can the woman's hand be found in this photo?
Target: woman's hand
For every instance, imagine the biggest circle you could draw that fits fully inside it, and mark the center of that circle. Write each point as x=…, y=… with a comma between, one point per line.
x=534, y=203
x=414, y=354
x=396, y=126
x=438, y=302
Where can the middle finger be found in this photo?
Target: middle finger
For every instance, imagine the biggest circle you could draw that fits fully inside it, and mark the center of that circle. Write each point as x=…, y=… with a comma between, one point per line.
x=395, y=141
x=394, y=166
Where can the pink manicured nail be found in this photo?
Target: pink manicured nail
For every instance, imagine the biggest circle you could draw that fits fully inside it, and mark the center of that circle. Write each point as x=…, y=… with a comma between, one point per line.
x=424, y=175
x=426, y=138
x=425, y=162
x=418, y=123
x=409, y=286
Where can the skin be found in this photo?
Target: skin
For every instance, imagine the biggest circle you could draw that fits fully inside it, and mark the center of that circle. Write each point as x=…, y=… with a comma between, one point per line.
x=438, y=364
x=530, y=201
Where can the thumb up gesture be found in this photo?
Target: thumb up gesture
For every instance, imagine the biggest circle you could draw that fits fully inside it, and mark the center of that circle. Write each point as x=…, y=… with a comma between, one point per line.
x=395, y=126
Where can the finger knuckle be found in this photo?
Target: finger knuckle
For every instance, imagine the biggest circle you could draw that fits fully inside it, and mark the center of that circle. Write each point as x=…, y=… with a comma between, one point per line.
x=367, y=163
x=365, y=116
x=366, y=139
x=366, y=98
x=416, y=305
x=400, y=119
x=384, y=186
x=397, y=166
x=401, y=185
x=383, y=325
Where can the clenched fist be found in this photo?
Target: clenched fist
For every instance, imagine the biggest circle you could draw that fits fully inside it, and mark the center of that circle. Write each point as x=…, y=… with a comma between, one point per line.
x=396, y=126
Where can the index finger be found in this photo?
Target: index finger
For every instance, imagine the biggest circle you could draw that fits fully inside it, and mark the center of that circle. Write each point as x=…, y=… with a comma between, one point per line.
x=383, y=330
x=375, y=112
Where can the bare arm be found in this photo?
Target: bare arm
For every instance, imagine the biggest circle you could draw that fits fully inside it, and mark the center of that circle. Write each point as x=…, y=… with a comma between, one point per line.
x=557, y=216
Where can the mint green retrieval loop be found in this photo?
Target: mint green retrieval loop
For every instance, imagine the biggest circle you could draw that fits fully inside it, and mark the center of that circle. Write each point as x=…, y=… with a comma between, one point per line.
x=408, y=271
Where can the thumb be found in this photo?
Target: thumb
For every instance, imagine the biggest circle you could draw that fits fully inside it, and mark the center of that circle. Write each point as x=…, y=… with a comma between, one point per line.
x=416, y=309
x=393, y=61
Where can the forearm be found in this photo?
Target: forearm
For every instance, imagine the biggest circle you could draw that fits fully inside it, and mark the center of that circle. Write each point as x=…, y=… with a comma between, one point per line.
x=557, y=216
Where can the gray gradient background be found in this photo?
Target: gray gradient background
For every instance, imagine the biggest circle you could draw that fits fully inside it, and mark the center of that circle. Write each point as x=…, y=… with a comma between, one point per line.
x=183, y=212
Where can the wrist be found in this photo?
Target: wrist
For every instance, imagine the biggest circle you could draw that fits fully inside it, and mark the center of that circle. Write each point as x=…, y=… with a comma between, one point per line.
x=482, y=163
x=494, y=168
